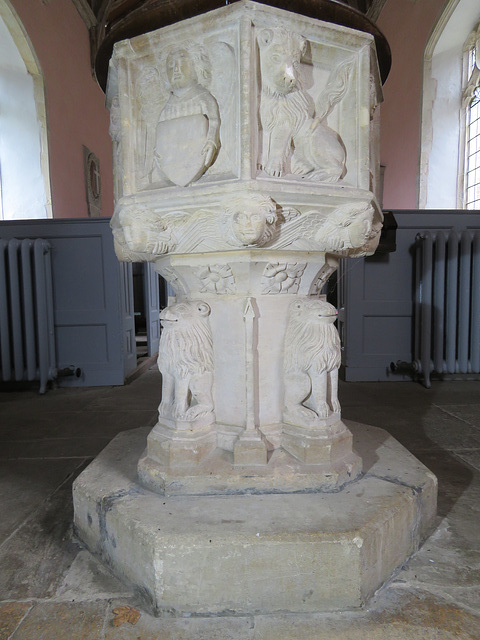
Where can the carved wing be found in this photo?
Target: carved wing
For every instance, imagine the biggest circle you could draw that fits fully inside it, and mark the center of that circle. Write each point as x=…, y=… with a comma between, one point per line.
x=222, y=87
x=299, y=232
x=199, y=229
x=335, y=89
x=151, y=97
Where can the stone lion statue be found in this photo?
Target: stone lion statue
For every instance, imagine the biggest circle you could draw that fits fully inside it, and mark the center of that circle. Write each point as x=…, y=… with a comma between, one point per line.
x=351, y=227
x=185, y=360
x=293, y=129
x=311, y=362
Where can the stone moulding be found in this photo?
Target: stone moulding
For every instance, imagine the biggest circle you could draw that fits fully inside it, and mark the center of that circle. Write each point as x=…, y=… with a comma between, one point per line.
x=176, y=552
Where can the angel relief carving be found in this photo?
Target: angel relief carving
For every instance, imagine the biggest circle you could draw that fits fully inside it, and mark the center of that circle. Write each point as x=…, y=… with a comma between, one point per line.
x=250, y=220
x=183, y=96
x=187, y=136
x=295, y=130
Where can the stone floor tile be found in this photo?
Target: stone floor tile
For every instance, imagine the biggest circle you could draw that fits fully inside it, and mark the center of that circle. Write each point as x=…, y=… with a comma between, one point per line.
x=425, y=611
x=87, y=447
x=386, y=393
x=150, y=628
x=73, y=424
x=448, y=563
x=35, y=558
x=454, y=392
x=453, y=475
x=88, y=579
x=469, y=413
x=24, y=484
x=472, y=457
x=406, y=616
x=53, y=400
x=63, y=621
x=11, y=614
x=418, y=428
x=130, y=402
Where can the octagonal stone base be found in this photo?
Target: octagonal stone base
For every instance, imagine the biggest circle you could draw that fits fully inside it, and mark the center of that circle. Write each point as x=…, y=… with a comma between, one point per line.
x=256, y=554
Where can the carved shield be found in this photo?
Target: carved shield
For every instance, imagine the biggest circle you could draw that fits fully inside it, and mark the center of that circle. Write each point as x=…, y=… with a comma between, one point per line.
x=179, y=146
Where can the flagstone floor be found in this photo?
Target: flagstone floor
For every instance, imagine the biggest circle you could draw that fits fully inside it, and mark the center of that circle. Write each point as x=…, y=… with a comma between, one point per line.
x=51, y=588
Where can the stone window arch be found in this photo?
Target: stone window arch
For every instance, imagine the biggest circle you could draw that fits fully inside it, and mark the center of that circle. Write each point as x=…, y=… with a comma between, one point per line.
x=24, y=164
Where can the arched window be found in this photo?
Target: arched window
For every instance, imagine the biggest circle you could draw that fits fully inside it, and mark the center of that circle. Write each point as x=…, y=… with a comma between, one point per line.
x=24, y=167
x=443, y=160
x=471, y=104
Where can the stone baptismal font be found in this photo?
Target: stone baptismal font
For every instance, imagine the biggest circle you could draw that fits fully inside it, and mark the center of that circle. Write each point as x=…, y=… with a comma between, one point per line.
x=246, y=167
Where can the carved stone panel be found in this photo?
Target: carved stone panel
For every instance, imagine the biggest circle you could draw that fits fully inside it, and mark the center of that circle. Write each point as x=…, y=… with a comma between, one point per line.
x=282, y=278
x=216, y=278
x=296, y=136
x=179, y=110
x=311, y=362
x=185, y=360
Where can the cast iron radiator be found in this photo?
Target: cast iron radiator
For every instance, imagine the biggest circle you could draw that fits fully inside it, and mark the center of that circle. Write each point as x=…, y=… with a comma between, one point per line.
x=27, y=346
x=447, y=303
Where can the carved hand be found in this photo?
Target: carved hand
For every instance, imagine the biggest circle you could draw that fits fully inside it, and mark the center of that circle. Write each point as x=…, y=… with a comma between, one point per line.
x=208, y=151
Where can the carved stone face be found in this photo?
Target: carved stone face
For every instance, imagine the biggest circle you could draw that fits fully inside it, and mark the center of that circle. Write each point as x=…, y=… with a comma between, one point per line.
x=249, y=226
x=281, y=52
x=180, y=69
x=313, y=311
x=360, y=231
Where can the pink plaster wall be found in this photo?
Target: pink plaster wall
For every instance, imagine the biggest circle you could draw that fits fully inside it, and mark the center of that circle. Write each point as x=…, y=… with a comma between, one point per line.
x=407, y=26
x=76, y=112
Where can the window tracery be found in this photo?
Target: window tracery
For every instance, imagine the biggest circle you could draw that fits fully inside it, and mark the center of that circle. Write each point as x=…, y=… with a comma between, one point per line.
x=471, y=103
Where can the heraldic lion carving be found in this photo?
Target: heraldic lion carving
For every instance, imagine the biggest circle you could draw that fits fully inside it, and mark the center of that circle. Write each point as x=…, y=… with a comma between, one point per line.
x=311, y=362
x=185, y=360
x=289, y=117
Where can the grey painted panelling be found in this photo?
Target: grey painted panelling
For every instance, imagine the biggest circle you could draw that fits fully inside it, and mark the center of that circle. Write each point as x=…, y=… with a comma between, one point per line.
x=128, y=317
x=376, y=297
x=88, y=297
x=152, y=306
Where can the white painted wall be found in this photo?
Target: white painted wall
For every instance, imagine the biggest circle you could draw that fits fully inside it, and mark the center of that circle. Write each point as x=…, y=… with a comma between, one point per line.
x=22, y=181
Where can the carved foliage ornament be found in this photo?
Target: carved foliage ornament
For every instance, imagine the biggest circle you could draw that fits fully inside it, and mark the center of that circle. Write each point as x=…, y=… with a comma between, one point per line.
x=216, y=278
x=282, y=278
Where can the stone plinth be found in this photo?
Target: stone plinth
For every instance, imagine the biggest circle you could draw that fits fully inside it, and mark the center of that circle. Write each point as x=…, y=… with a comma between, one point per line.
x=249, y=554
x=297, y=461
